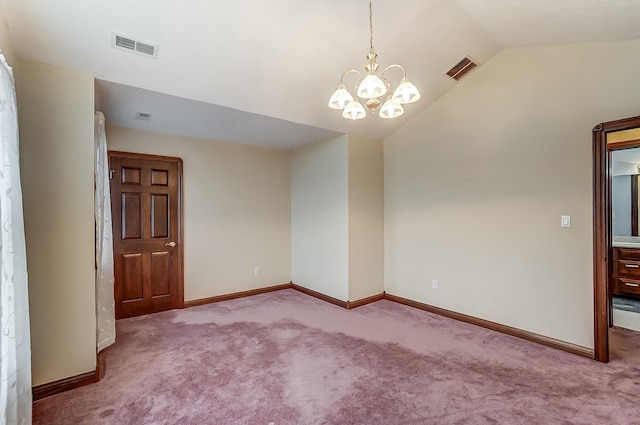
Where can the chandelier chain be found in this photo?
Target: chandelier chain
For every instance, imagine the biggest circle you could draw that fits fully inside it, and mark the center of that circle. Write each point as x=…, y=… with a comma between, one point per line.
x=371, y=26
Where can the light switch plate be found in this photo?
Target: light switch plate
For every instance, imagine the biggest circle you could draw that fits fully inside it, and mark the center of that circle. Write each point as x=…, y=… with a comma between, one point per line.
x=565, y=221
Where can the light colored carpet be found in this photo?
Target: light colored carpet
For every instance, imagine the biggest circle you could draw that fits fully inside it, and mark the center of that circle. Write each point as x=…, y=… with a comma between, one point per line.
x=286, y=358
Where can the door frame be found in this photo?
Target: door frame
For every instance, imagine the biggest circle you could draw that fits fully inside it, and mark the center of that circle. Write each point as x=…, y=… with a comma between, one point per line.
x=602, y=228
x=180, y=235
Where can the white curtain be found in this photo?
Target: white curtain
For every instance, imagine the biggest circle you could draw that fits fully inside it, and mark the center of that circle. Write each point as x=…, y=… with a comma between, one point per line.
x=105, y=304
x=15, y=345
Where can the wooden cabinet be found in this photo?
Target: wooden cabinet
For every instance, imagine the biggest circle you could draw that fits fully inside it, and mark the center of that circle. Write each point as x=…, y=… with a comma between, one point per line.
x=626, y=272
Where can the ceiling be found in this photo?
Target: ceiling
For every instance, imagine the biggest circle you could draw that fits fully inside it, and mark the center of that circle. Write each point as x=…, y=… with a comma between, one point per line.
x=177, y=115
x=261, y=72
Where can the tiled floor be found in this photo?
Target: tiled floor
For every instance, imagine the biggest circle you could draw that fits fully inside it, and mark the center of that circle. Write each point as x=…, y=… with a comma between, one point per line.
x=626, y=319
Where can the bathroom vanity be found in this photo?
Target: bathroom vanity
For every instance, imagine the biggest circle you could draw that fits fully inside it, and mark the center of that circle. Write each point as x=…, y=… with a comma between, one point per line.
x=626, y=266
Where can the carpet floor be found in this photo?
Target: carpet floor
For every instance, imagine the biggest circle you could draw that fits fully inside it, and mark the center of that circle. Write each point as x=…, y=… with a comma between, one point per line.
x=285, y=358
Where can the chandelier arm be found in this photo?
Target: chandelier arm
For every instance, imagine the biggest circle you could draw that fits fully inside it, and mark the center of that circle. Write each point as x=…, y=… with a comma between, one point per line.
x=346, y=72
x=404, y=74
x=355, y=88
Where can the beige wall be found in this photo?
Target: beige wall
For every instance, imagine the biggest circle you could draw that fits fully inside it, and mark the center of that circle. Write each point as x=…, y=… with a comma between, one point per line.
x=5, y=42
x=366, y=218
x=236, y=210
x=337, y=217
x=56, y=146
x=319, y=217
x=476, y=184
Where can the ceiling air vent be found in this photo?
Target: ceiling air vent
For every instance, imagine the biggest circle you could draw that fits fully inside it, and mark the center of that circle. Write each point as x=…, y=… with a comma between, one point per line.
x=143, y=116
x=127, y=43
x=461, y=69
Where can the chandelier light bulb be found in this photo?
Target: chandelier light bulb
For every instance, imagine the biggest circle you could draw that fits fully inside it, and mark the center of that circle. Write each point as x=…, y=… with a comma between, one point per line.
x=406, y=93
x=340, y=98
x=354, y=111
x=371, y=87
x=391, y=109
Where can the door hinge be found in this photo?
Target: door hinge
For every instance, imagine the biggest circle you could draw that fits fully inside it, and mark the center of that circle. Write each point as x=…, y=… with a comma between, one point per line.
x=111, y=174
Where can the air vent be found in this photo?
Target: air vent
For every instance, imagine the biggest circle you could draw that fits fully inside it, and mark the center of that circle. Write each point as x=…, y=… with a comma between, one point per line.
x=143, y=116
x=461, y=69
x=127, y=43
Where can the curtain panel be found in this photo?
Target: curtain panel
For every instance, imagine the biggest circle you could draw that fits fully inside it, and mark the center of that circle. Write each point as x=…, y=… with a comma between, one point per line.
x=105, y=302
x=15, y=343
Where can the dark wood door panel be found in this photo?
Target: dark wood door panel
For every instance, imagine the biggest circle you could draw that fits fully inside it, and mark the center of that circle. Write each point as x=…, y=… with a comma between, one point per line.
x=159, y=178
x=161, y=274
x=148, y=254
x=131, y=277
x=160, y=215
x=131, y=215
x=131, y=176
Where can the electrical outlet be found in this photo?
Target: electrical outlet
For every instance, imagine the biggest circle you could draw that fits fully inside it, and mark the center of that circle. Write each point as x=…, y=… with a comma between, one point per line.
x=434, y=284
x=256, y=271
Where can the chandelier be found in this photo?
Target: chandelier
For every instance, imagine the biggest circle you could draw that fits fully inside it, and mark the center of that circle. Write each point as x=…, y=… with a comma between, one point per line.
x=370, y=89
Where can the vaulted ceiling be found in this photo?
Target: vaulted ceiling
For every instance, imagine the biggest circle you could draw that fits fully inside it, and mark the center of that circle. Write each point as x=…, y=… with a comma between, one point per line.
x=280, y=60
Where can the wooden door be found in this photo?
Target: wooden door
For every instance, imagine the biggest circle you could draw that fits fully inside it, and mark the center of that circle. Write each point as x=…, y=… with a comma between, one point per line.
x=147, y=233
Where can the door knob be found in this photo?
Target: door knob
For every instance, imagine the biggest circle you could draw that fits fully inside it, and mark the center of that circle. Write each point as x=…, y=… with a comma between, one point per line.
x=171, y=244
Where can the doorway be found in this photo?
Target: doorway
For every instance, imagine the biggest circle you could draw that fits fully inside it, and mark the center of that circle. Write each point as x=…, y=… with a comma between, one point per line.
x=603, y=146
x=146, y=204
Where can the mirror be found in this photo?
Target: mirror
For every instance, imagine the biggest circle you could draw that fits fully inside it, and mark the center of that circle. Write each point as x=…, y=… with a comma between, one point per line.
x=625, y=170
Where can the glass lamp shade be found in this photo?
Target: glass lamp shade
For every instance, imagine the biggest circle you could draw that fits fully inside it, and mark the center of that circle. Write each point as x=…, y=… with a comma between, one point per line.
x=391, y=109
x=371, y=87
x=340, y=98
x=354, y=111
x=406, y=93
